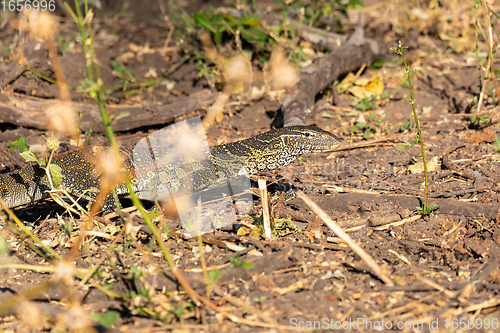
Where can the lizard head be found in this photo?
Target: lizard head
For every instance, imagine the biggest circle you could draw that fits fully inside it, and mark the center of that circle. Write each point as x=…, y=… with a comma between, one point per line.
x=279, y=147
x=309, y=139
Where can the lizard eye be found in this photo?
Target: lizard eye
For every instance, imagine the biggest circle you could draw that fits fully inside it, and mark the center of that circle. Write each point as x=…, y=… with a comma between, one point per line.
x=308, y=134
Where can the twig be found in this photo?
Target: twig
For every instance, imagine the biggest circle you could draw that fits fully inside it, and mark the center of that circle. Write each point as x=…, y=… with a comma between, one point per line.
x=397, y=223
x=486, y=304
x=296, y=285
x=340, y=189
x=346, y=238
x=265, y=208
x=364, y=144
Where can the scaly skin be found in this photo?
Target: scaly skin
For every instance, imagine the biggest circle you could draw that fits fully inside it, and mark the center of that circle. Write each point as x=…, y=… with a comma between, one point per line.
x=267, y=151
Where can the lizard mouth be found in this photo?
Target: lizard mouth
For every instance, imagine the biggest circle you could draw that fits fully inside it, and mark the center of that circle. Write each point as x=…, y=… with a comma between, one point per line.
x=326, y=148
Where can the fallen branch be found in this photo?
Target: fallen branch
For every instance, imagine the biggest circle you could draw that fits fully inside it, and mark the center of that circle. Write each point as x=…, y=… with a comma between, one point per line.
x=21, y=110
x=355, y=53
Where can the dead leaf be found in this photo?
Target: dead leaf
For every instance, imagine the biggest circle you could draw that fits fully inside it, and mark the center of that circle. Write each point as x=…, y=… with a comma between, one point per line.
x=364, y=88
x=432, y=165
x=375, y=86
x=346, y=82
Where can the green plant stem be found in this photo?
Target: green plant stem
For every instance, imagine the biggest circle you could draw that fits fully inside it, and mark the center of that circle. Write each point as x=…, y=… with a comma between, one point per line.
x=80, y=21
x=412, y=101
x=96, y=94
x=41, y=75
x=150, y=224
x=106, y=121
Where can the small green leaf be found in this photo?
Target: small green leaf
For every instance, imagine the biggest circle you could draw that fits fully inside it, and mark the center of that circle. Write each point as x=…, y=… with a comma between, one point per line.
x=259, y=299
x=108, y=286
x=251, y=21
x=189, y=225
x=366, y=134
x=213, y=275
x=247, y=265
x=153, y=214
x=120, y=68
x=254, y=34
x=377, y=64
x=429, y=209
x=354, y=129
x=55, y=174
x=21, y=143
x=408, y=125
x=218, y=37
x=144, y=292
x=106, y=319
x=433, y=207
x=329, y=115
x=237, y=262
x=29, y=156
x=483, y=119
x=4, y=247
x=401, y=147
x=203, y=21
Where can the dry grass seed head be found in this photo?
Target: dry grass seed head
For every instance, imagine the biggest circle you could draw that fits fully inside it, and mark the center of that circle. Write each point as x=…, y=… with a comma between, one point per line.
x=210, y=48
x=64, y=272
x=281, y=74
x=75, y=319
x=187, y=143
x=52, y=142
x=62, y=118
x=237, y=71
x=109, y=167
x=30, y=314
x=40, y=24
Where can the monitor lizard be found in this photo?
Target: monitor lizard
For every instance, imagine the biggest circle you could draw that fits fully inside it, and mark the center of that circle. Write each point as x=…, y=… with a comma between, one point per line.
x=267, y=151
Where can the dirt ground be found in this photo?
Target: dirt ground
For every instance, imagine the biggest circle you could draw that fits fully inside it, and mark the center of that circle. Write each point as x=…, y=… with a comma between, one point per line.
x=444, y=268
